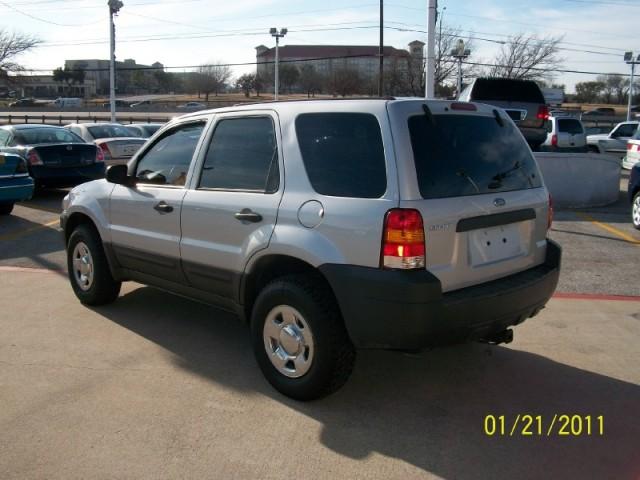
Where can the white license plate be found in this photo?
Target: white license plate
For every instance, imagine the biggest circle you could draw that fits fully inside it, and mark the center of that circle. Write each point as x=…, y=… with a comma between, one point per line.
x=130, y=150
x=494, y=244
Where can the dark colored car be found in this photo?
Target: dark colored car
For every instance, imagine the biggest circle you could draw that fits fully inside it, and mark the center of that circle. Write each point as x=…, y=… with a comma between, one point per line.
x=23, y=102
x=600, y=112
x=119, y=103
x=55, y=157
x=634, y=195
x=522, y=100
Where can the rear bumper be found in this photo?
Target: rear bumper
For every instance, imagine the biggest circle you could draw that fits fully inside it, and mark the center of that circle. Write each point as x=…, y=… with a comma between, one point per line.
x=534, y=135
x=16, y=189
x=408, y=310
x=67, y=177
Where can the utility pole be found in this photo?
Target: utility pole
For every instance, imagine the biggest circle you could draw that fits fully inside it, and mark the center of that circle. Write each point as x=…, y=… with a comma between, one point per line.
x=381, y=53
x=431, y=47
x=274, y=33
x=114, y=8
x=628, y=58
x=460, y=54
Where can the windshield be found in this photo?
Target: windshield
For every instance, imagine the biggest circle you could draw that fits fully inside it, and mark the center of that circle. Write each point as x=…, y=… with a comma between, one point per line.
x=110, y=131
x=40, y=136
x=504, y=89
x=459, y=155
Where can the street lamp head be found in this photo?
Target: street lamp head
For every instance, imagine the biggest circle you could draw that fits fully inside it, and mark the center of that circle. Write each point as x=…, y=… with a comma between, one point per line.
x=273, y=31
x=628, y=56
x=283, y=32
x=115, y=5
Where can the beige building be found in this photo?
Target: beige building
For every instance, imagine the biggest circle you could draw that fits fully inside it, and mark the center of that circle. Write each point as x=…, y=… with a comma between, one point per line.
x=128, y=73
x=328, y=58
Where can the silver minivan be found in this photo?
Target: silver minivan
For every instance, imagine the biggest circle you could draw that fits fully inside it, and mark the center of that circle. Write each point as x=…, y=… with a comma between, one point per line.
x=565, y=134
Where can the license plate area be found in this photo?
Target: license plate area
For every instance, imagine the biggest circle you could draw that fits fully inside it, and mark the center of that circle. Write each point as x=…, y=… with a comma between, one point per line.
x=129, y=150
x=491, y=245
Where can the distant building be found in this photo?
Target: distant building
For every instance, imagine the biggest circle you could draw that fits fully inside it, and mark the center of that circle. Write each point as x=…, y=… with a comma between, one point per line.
x=43, y=86
x=328, y=58
x=131, y=77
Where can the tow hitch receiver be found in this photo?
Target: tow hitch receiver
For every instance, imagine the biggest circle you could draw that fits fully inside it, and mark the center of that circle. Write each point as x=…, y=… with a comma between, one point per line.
x=505, y=336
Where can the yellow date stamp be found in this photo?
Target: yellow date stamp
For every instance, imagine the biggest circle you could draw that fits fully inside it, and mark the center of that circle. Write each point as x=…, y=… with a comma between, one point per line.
x=561, y=425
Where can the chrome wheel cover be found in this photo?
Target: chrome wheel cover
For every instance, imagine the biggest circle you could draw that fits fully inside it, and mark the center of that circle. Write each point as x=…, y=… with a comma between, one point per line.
x=83, y=269
x=288, y=341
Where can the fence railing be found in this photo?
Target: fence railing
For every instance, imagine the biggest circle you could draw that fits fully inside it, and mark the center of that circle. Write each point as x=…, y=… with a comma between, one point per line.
x=53, y=119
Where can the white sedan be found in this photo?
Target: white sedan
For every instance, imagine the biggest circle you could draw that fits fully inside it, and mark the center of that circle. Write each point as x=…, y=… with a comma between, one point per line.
x=614, y=142
x=117, y=143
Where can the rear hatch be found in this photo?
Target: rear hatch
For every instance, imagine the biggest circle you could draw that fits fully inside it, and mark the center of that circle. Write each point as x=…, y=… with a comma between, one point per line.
x=121, y=147
x=477, y=186
x=522, y=100
x=570, y=133
x=66, y=155
x=633, y=149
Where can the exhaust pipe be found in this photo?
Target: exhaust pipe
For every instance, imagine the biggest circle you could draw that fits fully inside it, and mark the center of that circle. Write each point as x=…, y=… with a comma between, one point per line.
x=505, y=336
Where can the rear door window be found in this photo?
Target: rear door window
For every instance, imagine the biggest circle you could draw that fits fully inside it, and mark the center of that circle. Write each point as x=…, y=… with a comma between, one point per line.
x=343, y=154
x=569, y=125
x=460, y=155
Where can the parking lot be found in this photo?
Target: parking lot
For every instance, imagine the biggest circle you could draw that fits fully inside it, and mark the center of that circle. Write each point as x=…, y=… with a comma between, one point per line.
x=158, y=386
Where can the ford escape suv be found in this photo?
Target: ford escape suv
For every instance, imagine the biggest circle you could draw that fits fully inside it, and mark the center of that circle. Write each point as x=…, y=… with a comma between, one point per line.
x=329, y=226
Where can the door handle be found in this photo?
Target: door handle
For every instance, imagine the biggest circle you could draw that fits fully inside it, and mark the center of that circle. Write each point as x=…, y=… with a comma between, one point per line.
x=163, y=207
x=246, y=215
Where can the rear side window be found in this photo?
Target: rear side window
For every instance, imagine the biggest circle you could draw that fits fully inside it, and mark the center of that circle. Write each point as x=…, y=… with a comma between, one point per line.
x=571, y=126
x=343, y=154
x=243, y=155
x=459, y=155
x=503, y=89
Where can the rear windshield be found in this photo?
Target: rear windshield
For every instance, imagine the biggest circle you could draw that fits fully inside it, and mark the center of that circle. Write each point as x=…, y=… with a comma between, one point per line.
x=44, y=135
x=569, y=125
x=459, y=155
x=109, y=131
x=506, y=90
x=343, y=154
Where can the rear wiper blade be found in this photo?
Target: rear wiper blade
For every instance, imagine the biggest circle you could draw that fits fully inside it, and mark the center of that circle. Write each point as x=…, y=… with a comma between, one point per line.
x=498, y=117
x=428, y=114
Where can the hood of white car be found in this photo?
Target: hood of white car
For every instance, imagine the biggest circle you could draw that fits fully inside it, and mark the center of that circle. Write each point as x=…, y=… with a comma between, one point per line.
x=597, y=137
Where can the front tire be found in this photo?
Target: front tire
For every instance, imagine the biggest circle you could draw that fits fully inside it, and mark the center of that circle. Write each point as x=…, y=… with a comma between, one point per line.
x=6, y=208
x=299, y=338
x=635, y=211
x=88, y=268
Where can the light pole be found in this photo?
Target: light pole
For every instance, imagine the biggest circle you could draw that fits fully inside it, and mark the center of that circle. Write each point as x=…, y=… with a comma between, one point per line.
x=628, y=58
x=381, y=53
x=278, y=35
x=431, y=50
x=114, y=8
x=460, y=54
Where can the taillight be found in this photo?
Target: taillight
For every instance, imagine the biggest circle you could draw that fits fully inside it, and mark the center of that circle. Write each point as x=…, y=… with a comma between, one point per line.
x=550, y=213
x=403, y=240
x=554, y=140
x=543, y=113
x=106, y=153
x=629, y=146
x=470, y=107
x=99, y=155
x=33, y=158
x=21, y=167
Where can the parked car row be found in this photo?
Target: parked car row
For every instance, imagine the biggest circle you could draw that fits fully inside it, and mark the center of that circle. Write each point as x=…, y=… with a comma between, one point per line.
x=36, y=156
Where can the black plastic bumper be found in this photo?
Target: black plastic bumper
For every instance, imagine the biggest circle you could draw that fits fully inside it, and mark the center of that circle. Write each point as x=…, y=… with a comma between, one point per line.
x=407, y=310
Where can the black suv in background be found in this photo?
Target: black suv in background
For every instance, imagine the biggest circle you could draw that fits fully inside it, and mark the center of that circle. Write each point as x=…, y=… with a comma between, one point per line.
x=521, y=99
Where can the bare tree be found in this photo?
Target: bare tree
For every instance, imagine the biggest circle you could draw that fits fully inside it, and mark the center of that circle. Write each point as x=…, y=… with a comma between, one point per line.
x=446, y=70
x=288, y=76
x=345, y=81
x=588, y=92
x=246, y=83
x=212, y=78
x=527, y=57
x=310, y=80
x=13, y=45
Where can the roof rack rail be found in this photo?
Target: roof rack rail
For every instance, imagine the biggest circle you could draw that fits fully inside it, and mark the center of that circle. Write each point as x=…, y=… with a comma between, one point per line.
x=312, y=100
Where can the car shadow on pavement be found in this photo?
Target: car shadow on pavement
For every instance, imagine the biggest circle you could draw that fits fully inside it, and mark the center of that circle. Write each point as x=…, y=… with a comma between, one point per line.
x=426, y=409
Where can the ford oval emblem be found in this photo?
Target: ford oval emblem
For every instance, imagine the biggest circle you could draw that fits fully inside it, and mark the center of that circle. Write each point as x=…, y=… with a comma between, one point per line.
x=499, y=202
x=69, y=147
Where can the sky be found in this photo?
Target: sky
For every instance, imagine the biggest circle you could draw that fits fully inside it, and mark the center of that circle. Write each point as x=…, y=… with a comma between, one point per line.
x=182, y=33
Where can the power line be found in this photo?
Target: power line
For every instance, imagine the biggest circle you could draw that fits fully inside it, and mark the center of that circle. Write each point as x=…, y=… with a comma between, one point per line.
x=314, y=59
x=51, y=22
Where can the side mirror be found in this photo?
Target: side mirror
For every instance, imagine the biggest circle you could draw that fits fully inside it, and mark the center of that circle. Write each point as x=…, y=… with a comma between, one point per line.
x=119, y=174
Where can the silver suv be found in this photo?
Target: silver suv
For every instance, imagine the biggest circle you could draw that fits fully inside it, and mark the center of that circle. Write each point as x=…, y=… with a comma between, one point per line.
x=329, y=226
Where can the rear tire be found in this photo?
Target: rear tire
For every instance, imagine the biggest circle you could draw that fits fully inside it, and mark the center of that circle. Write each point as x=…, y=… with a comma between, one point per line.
x=88, y=268
x=299, y=338
x=635, y=211
x=6, y=208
